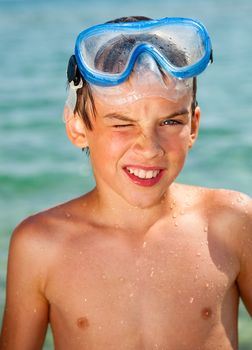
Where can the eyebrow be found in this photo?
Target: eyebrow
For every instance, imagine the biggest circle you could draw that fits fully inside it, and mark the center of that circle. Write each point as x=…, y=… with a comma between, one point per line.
x=127, y=119
x=118, y=116
x=180, y=112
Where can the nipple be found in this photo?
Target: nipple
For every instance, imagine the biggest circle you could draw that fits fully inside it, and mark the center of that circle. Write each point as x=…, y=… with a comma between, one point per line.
x=82, y=323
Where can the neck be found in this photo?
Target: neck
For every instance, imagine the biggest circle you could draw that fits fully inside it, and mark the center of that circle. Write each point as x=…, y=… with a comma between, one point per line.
x=112, y=210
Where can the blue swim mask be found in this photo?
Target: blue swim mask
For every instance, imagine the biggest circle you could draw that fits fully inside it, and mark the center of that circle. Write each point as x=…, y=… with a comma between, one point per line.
x=154, y=57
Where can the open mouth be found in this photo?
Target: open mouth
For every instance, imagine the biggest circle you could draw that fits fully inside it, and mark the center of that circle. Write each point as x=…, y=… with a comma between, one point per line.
x=143, y=174
x=143, y=177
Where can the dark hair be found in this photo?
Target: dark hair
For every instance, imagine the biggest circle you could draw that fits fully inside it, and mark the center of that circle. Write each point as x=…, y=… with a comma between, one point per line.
x=117, y=48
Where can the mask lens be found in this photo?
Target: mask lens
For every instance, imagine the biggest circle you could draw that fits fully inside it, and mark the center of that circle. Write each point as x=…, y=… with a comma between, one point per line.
x=110, y=52
x=106, y=54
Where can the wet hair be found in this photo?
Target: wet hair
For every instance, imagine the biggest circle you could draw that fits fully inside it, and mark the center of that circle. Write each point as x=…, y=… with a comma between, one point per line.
x=112, y=57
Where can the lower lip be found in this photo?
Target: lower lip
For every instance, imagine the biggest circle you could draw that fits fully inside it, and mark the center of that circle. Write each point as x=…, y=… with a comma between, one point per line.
x=144, y=182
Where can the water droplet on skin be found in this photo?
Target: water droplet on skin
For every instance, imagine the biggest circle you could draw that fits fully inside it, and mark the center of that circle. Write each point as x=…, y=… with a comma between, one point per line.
x=131, y=295
x=198, y=254
x=172, y=205
x=205, y=229
x=182, y=212
x=35, y=311
x=174, y=215
x=239, y=199
x=144, y=244
x=207, y=285
x=152, y=272
x=85, y=300
x=80, y=252
x=176, y=224
x=68, y=215
x=191, y=300
x=206, y=313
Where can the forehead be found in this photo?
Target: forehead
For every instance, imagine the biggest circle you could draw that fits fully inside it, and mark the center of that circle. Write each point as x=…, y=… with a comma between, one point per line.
x=153, y=106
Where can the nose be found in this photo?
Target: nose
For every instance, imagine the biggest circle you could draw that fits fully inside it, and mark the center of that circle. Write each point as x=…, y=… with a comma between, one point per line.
x=148, y=145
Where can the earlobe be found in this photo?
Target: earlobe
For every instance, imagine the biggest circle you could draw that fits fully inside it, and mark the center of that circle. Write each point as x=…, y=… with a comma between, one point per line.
x=75, y=128
x=194, y=126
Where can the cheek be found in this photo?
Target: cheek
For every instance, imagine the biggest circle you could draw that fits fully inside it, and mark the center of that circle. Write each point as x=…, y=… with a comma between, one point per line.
x=119, y=142
x=184, y=137
x=109, y=144
x=177, y=140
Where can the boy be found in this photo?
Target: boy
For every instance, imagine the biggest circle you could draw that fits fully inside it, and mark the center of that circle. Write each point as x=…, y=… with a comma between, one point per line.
x=140, y=262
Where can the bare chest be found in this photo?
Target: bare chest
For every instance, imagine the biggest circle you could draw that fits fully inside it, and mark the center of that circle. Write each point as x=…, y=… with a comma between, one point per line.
x=160, y=294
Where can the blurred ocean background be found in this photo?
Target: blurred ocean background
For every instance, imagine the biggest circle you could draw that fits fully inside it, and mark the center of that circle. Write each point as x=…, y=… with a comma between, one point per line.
x=40, y=168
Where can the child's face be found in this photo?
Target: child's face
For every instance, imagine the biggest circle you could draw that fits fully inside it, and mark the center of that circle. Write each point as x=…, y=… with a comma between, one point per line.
x=138, y=149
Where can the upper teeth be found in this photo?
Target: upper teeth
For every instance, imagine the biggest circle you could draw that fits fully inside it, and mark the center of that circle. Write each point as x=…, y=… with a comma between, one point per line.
x=143, y=174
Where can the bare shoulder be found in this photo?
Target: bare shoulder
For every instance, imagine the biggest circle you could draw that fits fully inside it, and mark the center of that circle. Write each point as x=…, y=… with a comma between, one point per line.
x=230, y=199
x=230, y=206
x=212, y=197
x=228, y=213
x=221, y=202
x=40, y=236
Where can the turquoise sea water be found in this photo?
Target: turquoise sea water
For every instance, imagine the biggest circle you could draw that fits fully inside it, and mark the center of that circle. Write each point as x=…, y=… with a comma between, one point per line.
x=39, y=167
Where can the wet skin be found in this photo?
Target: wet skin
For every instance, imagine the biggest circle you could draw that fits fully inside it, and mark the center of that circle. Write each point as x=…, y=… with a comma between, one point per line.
x=134, y=264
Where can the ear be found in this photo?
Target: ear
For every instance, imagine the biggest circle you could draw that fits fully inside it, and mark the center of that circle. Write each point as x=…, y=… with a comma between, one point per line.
x=195, y=121
x=75, y=128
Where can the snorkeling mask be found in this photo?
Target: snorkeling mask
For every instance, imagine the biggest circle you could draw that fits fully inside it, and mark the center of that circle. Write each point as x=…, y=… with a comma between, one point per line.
x=154, y=57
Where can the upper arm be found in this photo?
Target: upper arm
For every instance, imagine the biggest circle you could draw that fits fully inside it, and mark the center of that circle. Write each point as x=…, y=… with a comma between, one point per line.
x=244, y=279
x=26, y=310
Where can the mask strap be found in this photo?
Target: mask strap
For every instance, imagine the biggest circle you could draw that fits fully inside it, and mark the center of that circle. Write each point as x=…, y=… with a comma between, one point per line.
x=72, y=95
x=71, y=100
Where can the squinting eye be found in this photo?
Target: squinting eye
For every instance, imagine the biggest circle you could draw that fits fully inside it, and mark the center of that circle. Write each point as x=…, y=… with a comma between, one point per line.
x=121, y=125
x=170, y=122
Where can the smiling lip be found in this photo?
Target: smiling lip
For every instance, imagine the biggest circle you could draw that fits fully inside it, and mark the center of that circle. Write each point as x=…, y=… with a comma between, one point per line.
x=144, y=176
